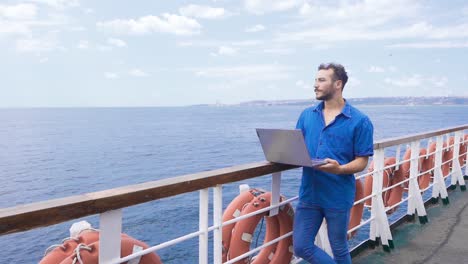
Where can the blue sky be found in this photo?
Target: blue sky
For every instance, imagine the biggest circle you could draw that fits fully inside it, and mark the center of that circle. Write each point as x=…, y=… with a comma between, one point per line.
x=58, y=53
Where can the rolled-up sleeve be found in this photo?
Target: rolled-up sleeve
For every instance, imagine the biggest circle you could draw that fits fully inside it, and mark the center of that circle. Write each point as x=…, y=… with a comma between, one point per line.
x=364, y=138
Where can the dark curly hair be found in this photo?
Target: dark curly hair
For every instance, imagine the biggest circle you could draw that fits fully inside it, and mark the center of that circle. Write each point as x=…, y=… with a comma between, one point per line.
x=339, y=72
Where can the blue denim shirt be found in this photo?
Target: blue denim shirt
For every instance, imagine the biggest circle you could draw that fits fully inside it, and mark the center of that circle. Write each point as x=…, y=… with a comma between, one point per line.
x=349, y=136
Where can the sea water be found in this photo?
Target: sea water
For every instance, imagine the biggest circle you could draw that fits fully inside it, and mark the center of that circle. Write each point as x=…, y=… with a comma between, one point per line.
x=54, y=153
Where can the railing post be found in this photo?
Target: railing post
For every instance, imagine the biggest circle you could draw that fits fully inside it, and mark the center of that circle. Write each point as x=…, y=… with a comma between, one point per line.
x=415, y=201
x=203, y=225
x=379, y=226
x=466, y=157
x=439, y=187
x=397, y=157
x=456, y=167
x=110, y=225
x=218, y=222
x=275, y=192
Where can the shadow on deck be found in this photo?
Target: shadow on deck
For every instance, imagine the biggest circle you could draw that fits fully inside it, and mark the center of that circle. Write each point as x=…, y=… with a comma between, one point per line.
x=443, y=240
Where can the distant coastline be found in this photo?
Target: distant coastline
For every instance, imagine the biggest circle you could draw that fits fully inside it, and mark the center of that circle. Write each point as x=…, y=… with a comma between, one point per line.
x=400, y=100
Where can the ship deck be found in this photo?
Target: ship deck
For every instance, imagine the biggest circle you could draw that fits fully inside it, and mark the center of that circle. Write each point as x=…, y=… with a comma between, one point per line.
x=442, y=240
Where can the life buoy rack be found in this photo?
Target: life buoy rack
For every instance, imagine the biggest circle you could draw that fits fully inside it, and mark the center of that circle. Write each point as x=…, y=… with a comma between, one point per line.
x=391, y=176
x=84, y=249
x=240, y=234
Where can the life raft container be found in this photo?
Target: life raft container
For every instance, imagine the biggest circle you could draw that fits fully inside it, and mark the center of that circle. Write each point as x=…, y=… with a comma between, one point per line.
x=241, y=233
x=391, y=176
x=84, y=249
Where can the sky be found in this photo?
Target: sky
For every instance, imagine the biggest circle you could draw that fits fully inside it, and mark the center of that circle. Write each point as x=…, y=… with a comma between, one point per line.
x=111, y=53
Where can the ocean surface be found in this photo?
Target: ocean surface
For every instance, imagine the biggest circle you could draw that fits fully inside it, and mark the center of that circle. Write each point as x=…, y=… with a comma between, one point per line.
x=54, y=153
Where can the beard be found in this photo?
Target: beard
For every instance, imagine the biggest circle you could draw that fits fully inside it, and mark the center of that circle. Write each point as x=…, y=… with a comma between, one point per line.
x=323, y=96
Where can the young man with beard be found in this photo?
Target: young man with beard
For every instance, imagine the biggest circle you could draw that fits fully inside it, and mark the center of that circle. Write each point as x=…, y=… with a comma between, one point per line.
x=343, y=136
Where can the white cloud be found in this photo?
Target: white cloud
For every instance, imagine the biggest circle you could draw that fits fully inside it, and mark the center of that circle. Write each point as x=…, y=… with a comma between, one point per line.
x=353, y=82
x=226, y=50
x=417, y=80
x=19, y=11
x=88, y=11
x=7, y=27
x=338, y=21
x=214, y=43
x=256, y=72
x=138, y=73
x=104, y=47
x=375, y=69
x=369, y=13
x=169, y=23
x=83, y=44
x=36, y=45
x=364, y=20
x=111, y=75
x=255, y=28
x=199, y=11
x=259, y=7
x=339, y=33
x=431, y=45
x=58, y=4
x=304, y=85
x=279, y=51
x=116, y=42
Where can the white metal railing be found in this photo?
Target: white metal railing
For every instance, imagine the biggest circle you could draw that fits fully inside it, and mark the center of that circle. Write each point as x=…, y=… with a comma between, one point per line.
x=111, y=221
x=379, y=223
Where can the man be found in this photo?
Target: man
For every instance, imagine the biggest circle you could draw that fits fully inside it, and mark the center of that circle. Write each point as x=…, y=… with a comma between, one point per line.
x=342, y=135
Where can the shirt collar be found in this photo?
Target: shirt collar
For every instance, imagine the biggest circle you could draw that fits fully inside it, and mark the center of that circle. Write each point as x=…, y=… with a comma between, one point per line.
x=346, y=109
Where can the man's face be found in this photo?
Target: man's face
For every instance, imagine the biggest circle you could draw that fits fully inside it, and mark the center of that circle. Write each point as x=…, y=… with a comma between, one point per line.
x=325, y=87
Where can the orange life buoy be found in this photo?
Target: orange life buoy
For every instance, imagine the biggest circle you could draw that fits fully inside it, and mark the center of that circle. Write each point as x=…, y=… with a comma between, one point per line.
x=61, y=252
x=242, y=232
x=89, y=254
x=232, y=211
x=357, y=210
x=424, y=165
x=390, y=177
x=426, y=168
x=284, y=250
x=447, y=155
x=431, y=155
x=463, y=150
x=86, y=247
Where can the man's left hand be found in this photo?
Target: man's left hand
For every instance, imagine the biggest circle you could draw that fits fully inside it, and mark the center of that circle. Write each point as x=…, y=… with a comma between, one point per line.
x=332, y=166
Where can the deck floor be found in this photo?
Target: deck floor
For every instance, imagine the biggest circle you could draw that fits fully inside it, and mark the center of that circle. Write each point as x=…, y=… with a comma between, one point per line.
x=443, y=240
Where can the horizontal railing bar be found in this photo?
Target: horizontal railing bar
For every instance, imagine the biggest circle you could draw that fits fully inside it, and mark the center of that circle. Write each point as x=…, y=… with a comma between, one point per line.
x=363, y=223
x=397, y=204
x=160, y=246
x=17, y=219
x=413, y=137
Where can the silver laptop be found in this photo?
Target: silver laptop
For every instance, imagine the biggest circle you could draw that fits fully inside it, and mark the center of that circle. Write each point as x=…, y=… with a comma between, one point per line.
x=286, y=146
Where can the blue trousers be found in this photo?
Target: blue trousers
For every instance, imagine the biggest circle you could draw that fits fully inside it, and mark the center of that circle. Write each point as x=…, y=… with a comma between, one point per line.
x=307, y=221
